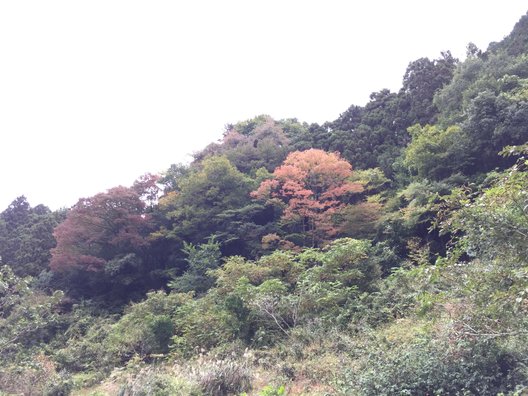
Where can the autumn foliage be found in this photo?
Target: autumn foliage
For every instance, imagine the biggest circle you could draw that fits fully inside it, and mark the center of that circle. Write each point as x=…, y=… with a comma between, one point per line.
x=312, y=185
x=99, y=228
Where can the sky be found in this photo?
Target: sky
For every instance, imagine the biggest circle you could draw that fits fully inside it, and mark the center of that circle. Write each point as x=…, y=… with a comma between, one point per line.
x=95, y=93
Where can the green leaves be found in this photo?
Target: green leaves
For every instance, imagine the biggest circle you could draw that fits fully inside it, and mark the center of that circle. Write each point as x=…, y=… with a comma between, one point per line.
x=26, y=236
x=495, y=223
x=201, y=260
x=435, y=153
x=195, y=211
x=26, y=315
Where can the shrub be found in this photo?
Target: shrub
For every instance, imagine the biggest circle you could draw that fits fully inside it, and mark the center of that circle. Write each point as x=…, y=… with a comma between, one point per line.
x=223, y=377
x=270, y=390
x=87, y=349
x=147, y=327
x=202, y=324
x=36, y=376
x=58, y=385
x=155, y=382
x=433, y=367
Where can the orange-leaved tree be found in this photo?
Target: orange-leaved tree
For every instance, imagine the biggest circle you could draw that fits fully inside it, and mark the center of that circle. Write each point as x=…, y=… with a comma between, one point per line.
x=312, y=186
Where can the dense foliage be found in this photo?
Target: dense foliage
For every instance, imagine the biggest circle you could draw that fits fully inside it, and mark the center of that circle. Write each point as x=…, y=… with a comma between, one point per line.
x=382, y=253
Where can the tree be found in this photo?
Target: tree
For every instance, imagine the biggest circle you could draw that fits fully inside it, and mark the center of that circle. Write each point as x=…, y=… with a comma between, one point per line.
x=147, y=188
x=378, y=138
x=257, y=143
x=495, y=120
x=515, y=43
x=100, y=228
x=435, y=153
x=26, y=236
x=422, y=79
x=312, y=185
x=494, y=225
x=196, y=209
x=17, y=213
x=200, y=259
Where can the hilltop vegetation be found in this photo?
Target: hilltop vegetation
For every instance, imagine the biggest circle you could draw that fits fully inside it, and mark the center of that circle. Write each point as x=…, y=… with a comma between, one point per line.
x=382, y=253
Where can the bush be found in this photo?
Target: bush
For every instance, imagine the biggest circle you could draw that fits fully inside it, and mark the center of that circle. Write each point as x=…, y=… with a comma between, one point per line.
x=223, y=377
x=36, y=376
x=88, y=349
x=434, y=367
x=202, y=324
x=270, y=390
x=154, y=382
x=58, y=385
x=147, y=327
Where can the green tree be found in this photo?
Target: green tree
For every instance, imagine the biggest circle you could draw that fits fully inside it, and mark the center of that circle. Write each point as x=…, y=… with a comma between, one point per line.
x=422, y=79
x=198, y=208
x=435, y=153
x=26, y=236
x=377, y=140
x=200, y=259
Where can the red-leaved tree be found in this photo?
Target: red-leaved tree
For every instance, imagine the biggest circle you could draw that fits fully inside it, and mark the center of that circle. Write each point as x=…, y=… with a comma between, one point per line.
x=99, y=228
x=312, y=185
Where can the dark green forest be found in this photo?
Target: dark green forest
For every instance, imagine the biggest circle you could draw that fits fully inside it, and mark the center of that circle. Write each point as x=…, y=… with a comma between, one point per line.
x=382, y=253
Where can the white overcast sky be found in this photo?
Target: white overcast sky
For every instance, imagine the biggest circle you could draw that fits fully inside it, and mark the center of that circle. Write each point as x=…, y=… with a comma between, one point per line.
x=95, y=93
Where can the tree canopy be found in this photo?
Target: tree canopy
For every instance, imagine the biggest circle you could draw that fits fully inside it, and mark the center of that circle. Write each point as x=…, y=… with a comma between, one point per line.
x=313, y=185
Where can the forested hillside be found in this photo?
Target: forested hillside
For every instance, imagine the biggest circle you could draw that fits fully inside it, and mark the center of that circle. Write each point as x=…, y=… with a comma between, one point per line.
x=382, y=253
